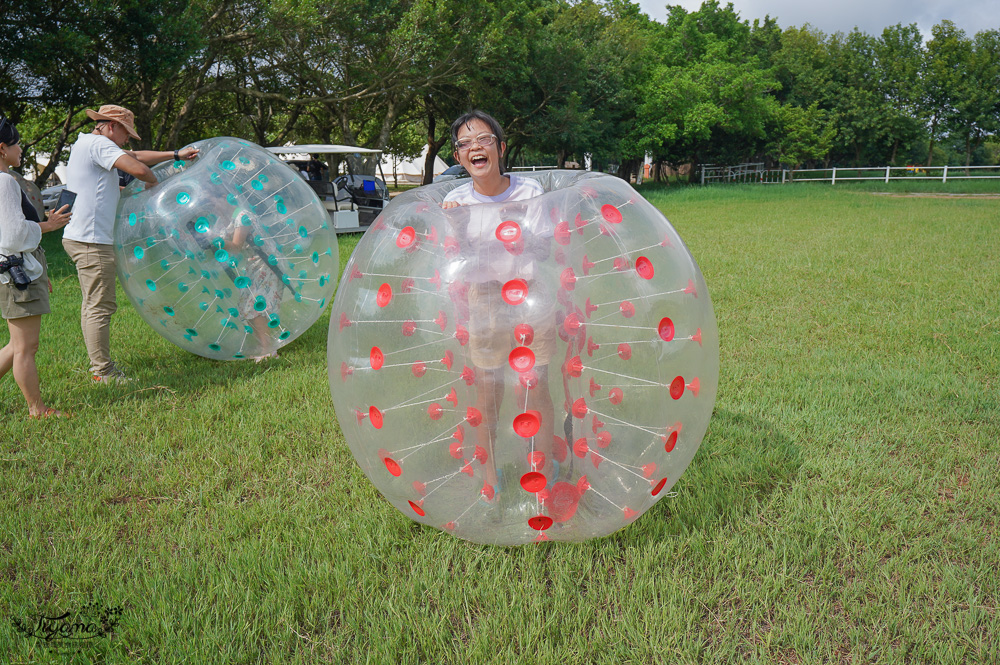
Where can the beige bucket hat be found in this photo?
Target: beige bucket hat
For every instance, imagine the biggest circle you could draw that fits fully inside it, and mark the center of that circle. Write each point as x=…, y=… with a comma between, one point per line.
x=118, y=114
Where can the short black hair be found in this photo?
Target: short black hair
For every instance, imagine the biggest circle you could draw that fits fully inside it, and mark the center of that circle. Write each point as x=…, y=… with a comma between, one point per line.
x=485, y=117
x=8, y=132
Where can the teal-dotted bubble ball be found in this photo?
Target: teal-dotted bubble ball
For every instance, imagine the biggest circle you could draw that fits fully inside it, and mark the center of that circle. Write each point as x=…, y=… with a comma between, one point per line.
x=220, y=256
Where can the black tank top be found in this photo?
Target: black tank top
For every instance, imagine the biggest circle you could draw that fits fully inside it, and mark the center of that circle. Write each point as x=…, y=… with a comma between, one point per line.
x=28, y=209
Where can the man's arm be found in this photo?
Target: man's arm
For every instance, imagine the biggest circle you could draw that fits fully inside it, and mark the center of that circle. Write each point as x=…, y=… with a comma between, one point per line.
x=134, y=167
x=154, y=157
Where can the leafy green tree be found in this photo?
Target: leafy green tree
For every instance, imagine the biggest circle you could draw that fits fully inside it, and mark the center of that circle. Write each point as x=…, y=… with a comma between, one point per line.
x=899, y=55
x=977, y=104
x=945, y=63
x=802, y=135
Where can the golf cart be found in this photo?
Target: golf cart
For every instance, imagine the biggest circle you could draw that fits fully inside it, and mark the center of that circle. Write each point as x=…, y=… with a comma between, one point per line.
x=353, y=195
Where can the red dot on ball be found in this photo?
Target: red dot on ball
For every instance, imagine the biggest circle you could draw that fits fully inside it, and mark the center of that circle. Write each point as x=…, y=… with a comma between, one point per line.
x=508, y=232
x=515, y=291
x=376, y=358
x=417, y=509
x=677, y=387
x=659, y=487
x=670, y=442
x=406, y=237
x=540, y=522
x=375, y=416
x=611, y=213
x=393, y=466
x=384, y=295
x=644, y=267
x=521, y=359
x=527, y=424
x=666, y=329
x=533, y=481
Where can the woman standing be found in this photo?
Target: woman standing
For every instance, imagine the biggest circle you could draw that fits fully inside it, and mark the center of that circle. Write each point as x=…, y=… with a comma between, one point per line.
x=23, y=260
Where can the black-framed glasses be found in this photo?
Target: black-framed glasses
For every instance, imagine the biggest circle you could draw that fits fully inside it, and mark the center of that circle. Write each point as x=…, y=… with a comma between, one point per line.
x=484, y=141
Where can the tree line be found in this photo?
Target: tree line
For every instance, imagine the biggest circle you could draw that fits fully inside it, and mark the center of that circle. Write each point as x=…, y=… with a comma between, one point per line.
x=568, y=79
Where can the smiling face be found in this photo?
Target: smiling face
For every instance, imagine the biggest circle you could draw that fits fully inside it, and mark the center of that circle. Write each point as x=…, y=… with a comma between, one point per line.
x=482, y=163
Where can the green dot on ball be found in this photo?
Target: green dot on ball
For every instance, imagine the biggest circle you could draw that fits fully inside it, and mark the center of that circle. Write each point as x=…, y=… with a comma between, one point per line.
x=257, y=185
x=192, y=332
x=169, y=310
x=260, y=304
x=227, y=165
x=132, y=219
x=214, y=347
x=285, y=335
x=201, y=225
x=222, y=256
x=139, y=253
x=151, y=285
x=242, y=282
x=183, y=198
x=274, y=321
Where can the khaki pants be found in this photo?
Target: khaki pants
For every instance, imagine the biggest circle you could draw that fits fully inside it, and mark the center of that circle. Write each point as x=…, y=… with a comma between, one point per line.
x=95, y=266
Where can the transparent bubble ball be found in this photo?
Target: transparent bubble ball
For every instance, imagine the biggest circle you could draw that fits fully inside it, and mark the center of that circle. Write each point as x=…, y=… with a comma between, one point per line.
x=232, y=255
x=525, y=371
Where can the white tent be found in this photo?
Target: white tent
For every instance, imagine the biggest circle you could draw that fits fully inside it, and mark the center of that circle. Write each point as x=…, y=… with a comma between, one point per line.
x=408, y=170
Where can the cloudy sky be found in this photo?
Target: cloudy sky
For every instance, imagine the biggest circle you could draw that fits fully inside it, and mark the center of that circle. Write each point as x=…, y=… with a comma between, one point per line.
x=868, y=15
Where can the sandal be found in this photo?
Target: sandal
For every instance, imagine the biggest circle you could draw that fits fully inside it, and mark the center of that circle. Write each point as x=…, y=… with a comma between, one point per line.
x=49, y=413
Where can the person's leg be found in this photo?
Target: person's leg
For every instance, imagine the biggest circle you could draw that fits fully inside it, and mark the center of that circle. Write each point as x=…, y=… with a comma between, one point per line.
x=489, y=398
x=95, y=266
x=6, y=359
x=540, y=399
x=24, y=335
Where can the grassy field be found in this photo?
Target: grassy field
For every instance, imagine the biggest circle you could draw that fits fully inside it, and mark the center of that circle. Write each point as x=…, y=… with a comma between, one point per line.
x=842, y=508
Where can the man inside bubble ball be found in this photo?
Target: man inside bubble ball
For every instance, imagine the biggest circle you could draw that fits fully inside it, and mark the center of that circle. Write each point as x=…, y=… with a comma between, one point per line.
x=89, y=237
x=479, y=148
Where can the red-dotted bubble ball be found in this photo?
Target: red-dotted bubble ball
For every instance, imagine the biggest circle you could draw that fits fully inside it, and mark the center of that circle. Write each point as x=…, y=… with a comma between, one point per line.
x=542, y=368
x=231, y=256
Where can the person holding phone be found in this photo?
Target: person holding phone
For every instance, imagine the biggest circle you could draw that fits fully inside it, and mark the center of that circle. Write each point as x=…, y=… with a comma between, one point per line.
x=24, y=280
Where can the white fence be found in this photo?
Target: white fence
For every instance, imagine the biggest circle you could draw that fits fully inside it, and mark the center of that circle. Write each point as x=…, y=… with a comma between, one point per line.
x=756, y=173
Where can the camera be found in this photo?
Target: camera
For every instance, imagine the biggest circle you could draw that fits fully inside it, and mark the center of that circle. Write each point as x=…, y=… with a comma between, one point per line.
x=14, y=265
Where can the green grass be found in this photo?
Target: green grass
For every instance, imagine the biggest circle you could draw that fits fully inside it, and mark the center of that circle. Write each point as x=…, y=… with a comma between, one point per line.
x=842, y=508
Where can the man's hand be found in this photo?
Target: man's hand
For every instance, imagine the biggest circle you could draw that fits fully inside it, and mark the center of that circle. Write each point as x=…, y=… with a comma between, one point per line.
x=188, y=153
x=450, y=204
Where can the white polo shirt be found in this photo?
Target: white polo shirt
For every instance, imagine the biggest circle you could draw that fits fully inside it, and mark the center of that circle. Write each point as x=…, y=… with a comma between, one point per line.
x=91, y=174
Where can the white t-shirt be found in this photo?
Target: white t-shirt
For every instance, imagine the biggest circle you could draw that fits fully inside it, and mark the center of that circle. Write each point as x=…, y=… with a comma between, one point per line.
x=486, y=259
x=91, y=174
x=17, y=234
x=518, y=190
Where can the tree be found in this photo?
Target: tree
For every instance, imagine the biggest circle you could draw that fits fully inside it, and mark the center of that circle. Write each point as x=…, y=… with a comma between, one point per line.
x=948, y=53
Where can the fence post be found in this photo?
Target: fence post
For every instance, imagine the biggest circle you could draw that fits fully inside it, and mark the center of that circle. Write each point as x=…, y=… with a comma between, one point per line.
x=703, y=174
x=887, y=174
x=944, y=177
x=833, y=180
x=784, y=172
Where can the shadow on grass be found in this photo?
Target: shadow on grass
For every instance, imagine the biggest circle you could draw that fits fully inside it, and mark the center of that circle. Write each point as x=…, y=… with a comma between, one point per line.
x=741, y=463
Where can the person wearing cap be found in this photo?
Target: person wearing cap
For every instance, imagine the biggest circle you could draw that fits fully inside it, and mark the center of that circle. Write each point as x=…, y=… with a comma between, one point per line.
x=89, y=237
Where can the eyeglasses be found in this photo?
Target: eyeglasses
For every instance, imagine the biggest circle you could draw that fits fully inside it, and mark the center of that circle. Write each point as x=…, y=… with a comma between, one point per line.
x=484, y=141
